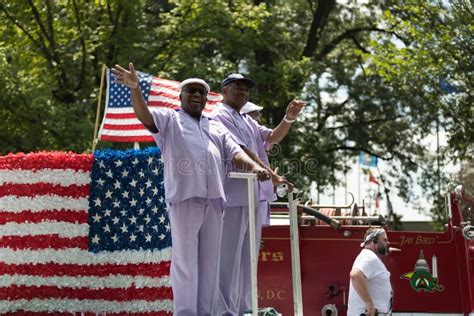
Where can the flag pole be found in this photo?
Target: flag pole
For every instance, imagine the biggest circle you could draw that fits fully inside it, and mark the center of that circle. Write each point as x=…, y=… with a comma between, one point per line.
x=96, y=127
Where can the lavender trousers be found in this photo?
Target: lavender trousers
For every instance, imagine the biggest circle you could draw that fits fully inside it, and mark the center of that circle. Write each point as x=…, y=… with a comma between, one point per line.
x=196, y=228
x=235, y=291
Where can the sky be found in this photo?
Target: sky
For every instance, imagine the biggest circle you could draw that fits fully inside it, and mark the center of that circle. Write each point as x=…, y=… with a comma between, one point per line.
x=409, y=211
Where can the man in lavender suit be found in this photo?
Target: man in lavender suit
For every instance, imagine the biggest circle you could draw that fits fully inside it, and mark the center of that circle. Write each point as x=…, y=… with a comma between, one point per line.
x=235, y=272
x=195, y=150
x=266, y=192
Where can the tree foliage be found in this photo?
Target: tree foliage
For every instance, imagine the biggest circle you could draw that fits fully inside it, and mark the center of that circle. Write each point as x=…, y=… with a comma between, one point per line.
x=369, y=71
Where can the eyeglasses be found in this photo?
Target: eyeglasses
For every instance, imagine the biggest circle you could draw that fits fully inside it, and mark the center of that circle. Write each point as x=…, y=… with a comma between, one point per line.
x=192, y=90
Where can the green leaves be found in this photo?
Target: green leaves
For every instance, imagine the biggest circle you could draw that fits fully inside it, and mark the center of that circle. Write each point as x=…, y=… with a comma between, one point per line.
x=370, y=72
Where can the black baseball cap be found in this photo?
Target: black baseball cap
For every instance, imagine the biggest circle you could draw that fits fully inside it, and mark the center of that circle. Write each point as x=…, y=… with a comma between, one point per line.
x=235, y=77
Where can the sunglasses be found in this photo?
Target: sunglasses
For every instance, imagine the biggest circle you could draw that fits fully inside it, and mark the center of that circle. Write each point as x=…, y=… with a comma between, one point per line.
x=192, y=90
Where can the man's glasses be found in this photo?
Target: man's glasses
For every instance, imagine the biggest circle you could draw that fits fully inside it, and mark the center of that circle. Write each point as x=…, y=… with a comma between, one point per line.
x=192, y=90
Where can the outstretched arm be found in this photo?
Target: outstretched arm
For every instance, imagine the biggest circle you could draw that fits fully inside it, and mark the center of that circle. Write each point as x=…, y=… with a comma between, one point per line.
x=130, y=79
x=292, y=111
x=244, y=162
x=276, y=178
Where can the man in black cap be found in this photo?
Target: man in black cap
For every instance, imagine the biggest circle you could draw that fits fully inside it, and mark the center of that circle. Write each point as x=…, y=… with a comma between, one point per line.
x=235, y=269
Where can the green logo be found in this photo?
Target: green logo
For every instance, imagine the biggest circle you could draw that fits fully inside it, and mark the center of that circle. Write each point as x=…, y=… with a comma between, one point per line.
x=421, y=279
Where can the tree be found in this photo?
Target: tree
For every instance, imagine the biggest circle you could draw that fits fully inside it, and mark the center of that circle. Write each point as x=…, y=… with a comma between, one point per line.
x=341, y=57
x=431, y=64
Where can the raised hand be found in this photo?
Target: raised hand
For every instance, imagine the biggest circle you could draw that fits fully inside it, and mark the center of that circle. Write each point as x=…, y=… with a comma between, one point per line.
x=294, y=108
x=126, y=77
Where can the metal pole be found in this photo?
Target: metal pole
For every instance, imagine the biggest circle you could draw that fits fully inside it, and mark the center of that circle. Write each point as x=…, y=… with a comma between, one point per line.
x=253, y=247
x=295, y=257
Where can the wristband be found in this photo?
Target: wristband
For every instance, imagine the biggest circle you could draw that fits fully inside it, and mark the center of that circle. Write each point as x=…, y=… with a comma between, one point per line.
x=288, y=121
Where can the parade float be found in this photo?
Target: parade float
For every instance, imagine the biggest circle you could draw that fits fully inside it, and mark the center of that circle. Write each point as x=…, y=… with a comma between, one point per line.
x=89, y=234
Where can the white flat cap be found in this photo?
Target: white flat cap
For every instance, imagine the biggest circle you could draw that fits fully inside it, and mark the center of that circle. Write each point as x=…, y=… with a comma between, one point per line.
x=193, y=80
x=250, y=107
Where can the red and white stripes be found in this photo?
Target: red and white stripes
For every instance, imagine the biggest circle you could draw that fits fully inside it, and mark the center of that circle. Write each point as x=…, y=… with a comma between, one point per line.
x=122, y=125
x=45, y=265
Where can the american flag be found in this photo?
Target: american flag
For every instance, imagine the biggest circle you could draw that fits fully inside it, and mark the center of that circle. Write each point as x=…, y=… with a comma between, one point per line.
x=83, y=233
x=120, y=123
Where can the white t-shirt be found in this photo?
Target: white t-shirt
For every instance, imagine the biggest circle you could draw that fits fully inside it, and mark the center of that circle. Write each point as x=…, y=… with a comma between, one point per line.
x=378, y=281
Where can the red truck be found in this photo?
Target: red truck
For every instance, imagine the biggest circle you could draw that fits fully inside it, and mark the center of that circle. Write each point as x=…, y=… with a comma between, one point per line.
x=431, y=274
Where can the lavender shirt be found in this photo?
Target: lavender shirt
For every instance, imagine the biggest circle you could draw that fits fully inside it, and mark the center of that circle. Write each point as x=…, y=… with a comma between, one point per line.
x=194, y=154
x=245, y=131
x=266, y=187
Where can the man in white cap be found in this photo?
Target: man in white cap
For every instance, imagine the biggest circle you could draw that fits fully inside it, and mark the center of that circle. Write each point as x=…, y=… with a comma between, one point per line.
x=252, y=110
x=267, y=192
x=195, y=150
x=235, y=272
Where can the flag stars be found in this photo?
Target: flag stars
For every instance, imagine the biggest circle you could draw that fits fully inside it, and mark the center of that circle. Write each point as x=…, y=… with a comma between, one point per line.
x=114, y=238
x=106, y=228
x=97, y=202
x=147, y=238
x=147, y=219
x=117, y=184
x=108, y=194
x=96, y=218
x=124, y=228
x=127, y=213
x=95, y=239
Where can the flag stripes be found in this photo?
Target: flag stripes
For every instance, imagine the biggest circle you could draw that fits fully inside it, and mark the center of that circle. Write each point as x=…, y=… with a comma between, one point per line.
x=54, y=209
x=120, y=123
